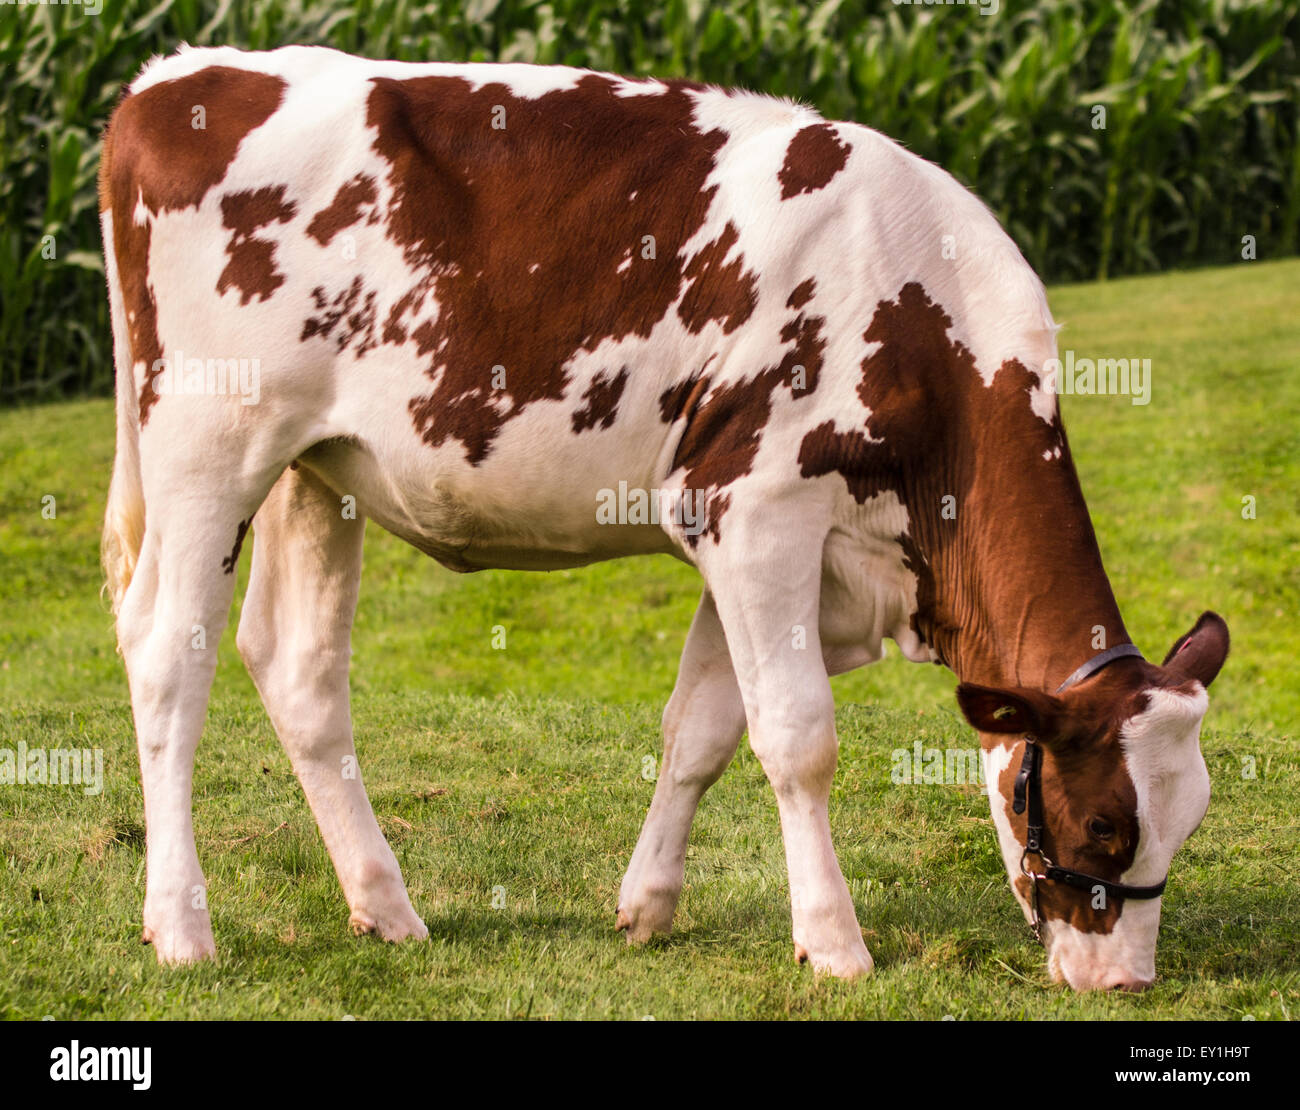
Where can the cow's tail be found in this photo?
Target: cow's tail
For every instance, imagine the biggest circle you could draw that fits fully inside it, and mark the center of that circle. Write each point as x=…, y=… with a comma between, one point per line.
x=124, y=518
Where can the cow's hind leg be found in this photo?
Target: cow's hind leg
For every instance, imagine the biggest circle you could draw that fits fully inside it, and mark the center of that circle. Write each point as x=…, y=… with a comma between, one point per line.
x=295, y=638
x=765, y=575
x=169, y=624
x=702, y=726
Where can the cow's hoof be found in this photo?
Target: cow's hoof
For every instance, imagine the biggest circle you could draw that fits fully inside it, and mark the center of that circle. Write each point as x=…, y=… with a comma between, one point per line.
x=392, y=927
x=654, y=916
x=850, y=964
x=174, y=949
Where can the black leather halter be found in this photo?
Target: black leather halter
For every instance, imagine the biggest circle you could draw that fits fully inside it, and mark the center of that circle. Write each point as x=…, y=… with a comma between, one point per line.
x=1027, y=794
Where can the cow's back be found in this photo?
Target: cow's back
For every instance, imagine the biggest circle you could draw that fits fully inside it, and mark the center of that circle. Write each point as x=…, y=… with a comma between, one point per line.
x=482, y=295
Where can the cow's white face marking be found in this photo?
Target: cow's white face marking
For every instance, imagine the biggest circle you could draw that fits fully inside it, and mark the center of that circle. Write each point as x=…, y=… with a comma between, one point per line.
x=1162, y=749
x=996, y=761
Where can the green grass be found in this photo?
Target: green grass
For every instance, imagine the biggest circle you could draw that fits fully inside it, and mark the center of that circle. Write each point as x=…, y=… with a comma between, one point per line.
x=521, y=768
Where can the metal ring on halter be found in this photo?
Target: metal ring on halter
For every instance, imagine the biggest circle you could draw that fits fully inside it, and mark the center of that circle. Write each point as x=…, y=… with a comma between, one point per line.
x=1036, y=922
x=1047, y=863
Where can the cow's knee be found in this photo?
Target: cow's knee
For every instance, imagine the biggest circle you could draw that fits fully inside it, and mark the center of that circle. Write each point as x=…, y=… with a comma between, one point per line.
x=797, y=748
x=700, y=739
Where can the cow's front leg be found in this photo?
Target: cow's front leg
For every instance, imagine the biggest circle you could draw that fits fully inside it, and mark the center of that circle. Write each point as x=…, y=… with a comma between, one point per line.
x=703, y=723
x=766, y=578
x=797, y=747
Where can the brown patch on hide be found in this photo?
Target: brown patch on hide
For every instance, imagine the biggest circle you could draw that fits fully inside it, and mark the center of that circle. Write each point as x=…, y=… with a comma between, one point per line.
x=155, y=158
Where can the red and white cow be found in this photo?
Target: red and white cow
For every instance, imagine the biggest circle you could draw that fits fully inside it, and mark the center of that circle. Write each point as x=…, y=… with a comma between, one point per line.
x=472, y=300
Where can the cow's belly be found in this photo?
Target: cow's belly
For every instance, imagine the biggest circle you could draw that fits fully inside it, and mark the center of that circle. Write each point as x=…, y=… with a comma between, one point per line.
x=526, y=513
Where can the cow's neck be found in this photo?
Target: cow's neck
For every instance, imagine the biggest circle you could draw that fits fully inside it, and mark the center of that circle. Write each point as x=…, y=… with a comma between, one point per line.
x=1022, y=598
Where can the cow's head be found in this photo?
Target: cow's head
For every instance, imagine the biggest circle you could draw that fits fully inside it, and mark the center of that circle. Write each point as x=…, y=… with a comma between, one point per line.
x=1123, y=786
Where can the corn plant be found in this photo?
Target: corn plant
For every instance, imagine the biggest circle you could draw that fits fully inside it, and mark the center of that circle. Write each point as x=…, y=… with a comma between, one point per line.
x=1110, y=137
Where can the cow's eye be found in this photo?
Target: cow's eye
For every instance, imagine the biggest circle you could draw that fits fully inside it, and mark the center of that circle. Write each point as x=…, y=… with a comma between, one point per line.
x=1101, y=828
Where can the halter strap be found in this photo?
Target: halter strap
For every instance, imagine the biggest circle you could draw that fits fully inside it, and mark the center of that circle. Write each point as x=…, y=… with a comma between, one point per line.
x=1097, y=662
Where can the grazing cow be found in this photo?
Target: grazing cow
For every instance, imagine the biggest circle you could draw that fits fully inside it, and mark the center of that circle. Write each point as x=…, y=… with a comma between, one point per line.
x=471, y=301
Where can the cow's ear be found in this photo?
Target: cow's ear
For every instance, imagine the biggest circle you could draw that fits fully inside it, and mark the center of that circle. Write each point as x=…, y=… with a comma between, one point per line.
x=1018, y=710
x=1200, y=653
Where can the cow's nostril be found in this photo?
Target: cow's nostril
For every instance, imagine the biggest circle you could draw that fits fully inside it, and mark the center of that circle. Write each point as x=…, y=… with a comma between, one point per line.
x=1132, y=985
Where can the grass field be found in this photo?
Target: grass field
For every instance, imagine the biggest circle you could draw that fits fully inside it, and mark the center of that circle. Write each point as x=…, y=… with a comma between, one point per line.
x=521, y=769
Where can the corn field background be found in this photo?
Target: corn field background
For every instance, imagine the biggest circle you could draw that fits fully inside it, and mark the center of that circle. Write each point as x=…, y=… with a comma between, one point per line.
x=1109, y=138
